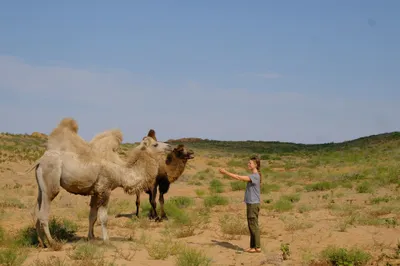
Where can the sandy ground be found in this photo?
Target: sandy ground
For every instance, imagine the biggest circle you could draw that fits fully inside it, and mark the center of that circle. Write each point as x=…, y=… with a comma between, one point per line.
x=308, y=232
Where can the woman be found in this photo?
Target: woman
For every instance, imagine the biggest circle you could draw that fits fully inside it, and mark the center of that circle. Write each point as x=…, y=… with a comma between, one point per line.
x=252, y=200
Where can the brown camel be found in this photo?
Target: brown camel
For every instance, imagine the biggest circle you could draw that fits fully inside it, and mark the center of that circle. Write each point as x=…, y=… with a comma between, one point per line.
x=169, y=171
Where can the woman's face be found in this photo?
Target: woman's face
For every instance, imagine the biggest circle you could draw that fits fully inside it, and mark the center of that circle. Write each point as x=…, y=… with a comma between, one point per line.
x=251, y=165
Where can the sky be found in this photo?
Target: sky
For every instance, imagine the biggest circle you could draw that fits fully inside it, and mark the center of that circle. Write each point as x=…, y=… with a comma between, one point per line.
x=298, y=71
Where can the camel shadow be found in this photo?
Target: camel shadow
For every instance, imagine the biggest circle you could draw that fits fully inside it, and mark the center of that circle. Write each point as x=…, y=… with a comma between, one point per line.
x=126, y=215
x=227, y=245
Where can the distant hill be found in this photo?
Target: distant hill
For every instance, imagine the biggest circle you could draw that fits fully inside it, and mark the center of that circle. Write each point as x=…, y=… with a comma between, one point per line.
x=286, y=147
x=35, y=143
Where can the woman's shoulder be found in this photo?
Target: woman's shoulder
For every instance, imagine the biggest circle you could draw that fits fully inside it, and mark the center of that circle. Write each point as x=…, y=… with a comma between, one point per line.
x=254, y=175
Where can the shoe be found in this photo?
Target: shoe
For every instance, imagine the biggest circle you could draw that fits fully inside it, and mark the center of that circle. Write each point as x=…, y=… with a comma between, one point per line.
x=253, y=250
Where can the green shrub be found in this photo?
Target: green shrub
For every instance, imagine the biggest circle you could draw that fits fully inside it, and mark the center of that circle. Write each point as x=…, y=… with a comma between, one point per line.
x=12, y=256
x=61, y=231
x=192, y=257
x=238, y=185
x=364, y=187
x=342, y=256
x=283, y=205
x=267, y=188
x=216, y=186
x=214, y=200
x=320, y=186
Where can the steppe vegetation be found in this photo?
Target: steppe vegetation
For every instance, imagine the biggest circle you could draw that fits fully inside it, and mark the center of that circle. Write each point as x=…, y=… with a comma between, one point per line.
x=323, y=204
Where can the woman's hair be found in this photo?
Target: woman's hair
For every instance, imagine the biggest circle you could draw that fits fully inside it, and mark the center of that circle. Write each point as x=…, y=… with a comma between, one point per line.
x=257, y=160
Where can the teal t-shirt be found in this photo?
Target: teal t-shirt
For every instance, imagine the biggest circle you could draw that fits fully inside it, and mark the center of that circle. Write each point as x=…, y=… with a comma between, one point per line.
x=252, y=194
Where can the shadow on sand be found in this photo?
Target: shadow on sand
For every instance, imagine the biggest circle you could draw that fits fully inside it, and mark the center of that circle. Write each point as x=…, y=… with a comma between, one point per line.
x=126, y=215
x=227, y=245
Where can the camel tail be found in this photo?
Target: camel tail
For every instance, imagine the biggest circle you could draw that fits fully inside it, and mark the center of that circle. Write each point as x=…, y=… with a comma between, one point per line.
x=32, y=166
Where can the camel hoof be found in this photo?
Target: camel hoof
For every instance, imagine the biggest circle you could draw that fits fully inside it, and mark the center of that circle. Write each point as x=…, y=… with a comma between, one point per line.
x=152, y=217
x=160, y=219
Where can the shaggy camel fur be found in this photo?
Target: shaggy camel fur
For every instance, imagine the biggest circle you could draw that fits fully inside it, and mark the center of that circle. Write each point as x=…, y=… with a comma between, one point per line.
x=168, y=172
x=106, y=144
x=73, y=164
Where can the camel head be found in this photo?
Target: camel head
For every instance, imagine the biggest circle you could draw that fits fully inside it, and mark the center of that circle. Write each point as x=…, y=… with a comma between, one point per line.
x=153, y=146
x=181, y=153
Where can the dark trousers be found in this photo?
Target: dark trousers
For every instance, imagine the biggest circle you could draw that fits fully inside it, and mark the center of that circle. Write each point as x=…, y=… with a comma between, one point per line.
x=252, y=221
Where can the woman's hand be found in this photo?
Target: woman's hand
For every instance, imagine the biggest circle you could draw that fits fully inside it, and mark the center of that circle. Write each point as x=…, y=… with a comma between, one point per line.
x=222, y=171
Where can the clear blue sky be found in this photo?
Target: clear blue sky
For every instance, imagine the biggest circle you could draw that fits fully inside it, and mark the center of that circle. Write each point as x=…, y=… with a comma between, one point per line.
x=301, y=71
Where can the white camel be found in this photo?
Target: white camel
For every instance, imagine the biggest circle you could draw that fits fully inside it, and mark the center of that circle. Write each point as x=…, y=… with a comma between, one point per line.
x=79, y=168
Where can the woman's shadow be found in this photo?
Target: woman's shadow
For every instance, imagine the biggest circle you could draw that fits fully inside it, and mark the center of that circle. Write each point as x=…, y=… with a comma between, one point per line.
x=227, y=245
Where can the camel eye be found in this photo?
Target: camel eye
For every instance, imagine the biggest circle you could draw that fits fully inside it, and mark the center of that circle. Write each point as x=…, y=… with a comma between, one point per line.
x=155, y=145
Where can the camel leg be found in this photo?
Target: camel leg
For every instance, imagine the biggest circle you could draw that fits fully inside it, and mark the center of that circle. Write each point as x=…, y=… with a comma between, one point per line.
x=152, y=199
x=39, y=230
x=46, y=195
x=92, y=216
x=163, y=216
x=104, y=219
x=163, y=188
x=102, y=204
x=137, y=203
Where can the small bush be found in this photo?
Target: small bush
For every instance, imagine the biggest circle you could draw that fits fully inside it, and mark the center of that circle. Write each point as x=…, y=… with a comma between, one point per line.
x=342, y=256
x=378, y=200
x=178, y=215
x=200, y=192
x=52, y=261
x=267, y=188
x=238, y=185
x=202, y=175
x=291, y=197
x=216, y=186
x=321, y=186
x=283, y=205
x=12, y=257
x=2, y=235
x=364, y=187
x=85, y=251
x=12, y=203
x=145, y=207
x=181, y=201
x=214, y=200
x=162, y=249
x=192, y=257
x=304, y=208
x=232, y=225
x=61, y=231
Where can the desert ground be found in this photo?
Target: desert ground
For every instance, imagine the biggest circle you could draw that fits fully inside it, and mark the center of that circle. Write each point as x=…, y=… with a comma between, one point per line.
x=328, y=204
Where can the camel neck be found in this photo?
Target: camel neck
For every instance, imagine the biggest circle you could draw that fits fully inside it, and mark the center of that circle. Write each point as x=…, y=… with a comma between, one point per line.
x=175, y=169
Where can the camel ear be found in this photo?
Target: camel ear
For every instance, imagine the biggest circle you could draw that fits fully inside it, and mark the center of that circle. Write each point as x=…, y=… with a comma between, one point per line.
x=152, y=134
x=145, y=143
x=180, y=147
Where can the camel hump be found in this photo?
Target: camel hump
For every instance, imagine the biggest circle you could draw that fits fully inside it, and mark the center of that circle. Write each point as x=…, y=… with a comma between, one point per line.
x=65, y=138
x=108, y=140
x=117, y=135
x=69, y=123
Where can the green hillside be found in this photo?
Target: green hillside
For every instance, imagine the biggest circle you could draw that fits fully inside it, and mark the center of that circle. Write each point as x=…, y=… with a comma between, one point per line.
x=290, y=147
x=27, y=147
